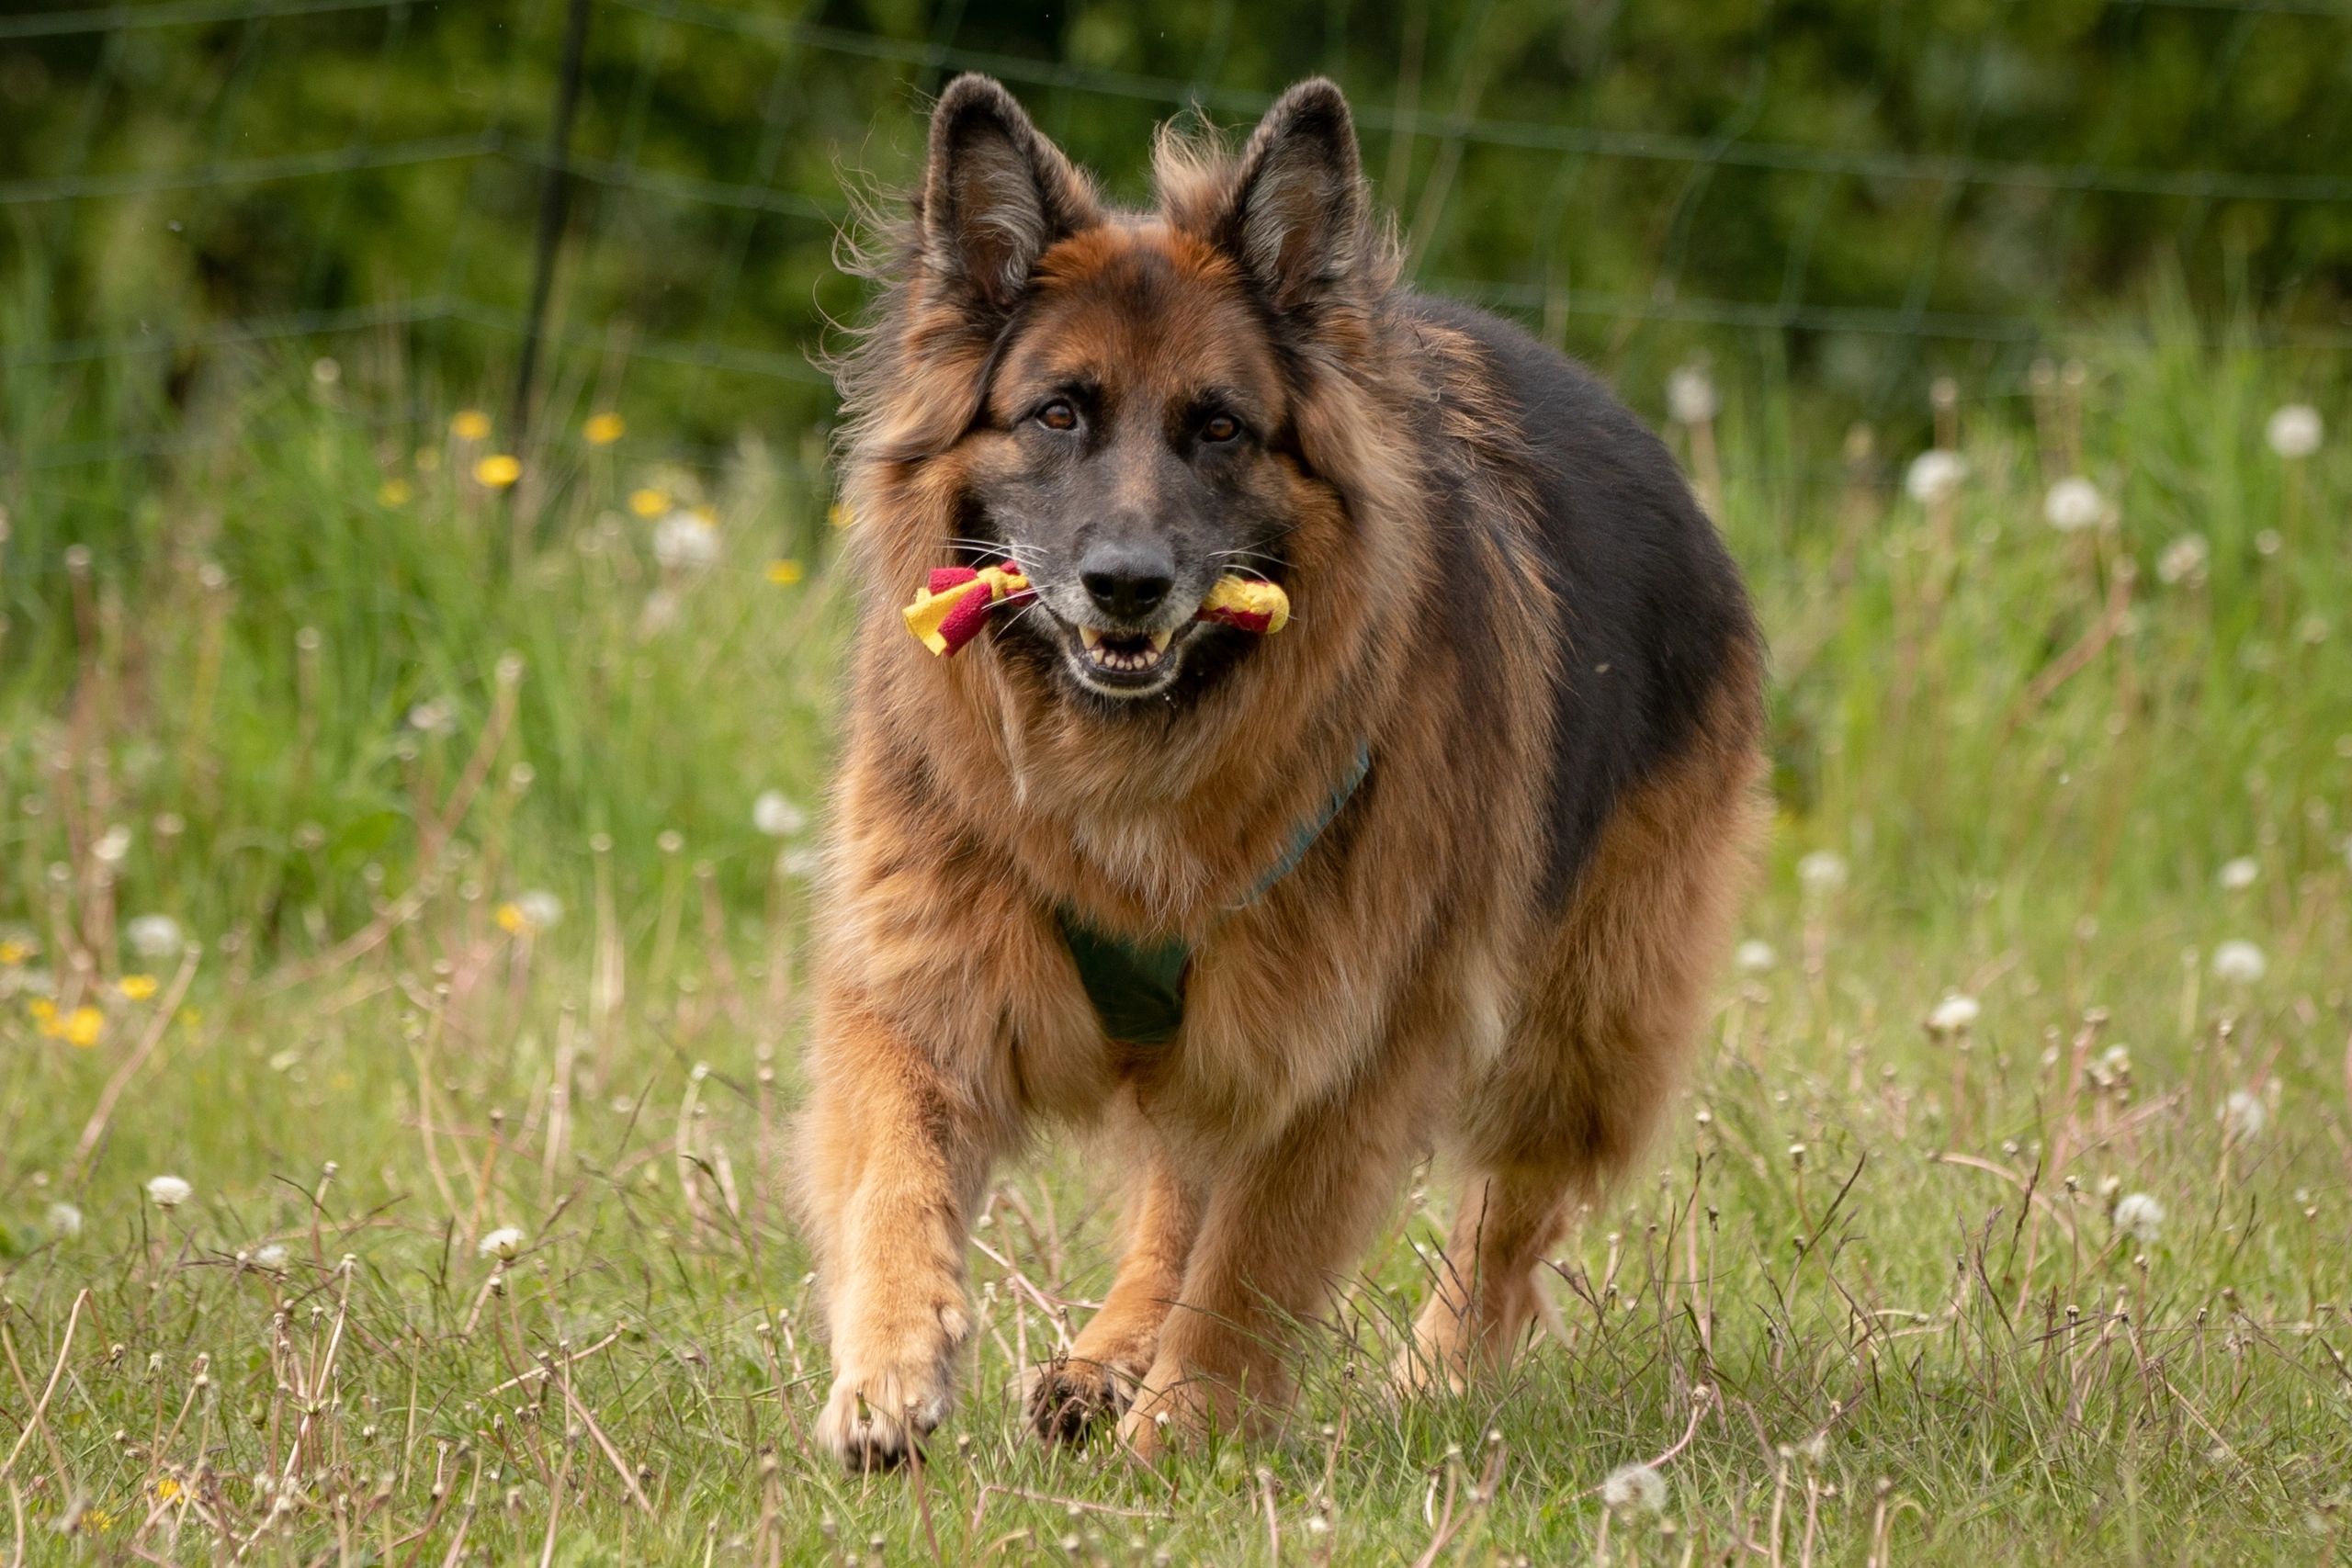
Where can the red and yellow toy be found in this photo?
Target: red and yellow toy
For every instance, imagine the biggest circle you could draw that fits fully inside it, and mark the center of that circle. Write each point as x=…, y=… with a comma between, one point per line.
x=954, y=605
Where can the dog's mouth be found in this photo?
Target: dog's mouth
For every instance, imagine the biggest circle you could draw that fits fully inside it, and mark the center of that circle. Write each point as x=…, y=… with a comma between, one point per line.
x=1124, y=660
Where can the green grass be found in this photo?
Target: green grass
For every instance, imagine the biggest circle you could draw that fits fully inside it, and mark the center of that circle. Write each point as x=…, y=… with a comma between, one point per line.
x=1919, y=1339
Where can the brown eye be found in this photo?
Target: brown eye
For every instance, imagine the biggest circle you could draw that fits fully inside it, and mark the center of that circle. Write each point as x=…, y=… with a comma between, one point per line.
x=1057, y=415
x=1220, y=427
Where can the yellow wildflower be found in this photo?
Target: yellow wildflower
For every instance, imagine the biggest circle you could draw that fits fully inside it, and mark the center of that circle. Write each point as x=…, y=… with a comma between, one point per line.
x=169, y=1490
x=603, y=429
x=785, y=572
x=648, y=502
x=97, y=1521
x=80, y=1029
x=15, y=952
x=511, y=920
x=838, y=515
x=395, y=492
x=498, y=470
x=43, y=1011
x=471, y=424
x=137, y=987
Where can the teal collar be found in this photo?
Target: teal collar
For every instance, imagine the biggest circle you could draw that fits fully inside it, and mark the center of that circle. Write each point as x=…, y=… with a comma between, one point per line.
x=1137, y=988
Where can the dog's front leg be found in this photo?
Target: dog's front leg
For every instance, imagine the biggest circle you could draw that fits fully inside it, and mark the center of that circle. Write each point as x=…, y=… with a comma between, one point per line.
x=895, y=1152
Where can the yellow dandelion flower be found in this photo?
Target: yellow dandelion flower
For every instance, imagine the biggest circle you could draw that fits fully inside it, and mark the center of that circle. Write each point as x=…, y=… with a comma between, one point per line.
x=648, y=502
x=511, y=920
x=603, y=429
x=82, y=1027
x=169, y=1490
x=42, y=1010
x=15, y=952
x=191, y=1018
x=839, y=515
x=137, y=987
x=784, y=571
x=498, y=470
x=97, y=1521
x=471, y=424
x=395, y=492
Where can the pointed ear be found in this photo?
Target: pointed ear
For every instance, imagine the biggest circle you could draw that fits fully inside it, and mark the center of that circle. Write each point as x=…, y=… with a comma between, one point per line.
x=1297, y=216
x=995, y=193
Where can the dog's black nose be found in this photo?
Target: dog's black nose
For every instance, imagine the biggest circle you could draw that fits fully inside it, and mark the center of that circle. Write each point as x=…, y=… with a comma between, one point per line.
x=1126, y=579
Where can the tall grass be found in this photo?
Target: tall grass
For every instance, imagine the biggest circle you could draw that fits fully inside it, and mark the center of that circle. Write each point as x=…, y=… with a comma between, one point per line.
x=1880, y=1300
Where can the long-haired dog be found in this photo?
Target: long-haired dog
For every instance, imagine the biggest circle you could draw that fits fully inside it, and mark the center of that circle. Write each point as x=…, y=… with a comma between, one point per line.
x=1447, y=864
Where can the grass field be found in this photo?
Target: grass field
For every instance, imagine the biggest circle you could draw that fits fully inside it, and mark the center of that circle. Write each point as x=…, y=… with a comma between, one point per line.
x=2005, y=1222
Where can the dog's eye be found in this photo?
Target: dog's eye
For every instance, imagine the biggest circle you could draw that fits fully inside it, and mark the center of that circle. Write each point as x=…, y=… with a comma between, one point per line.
x=1059, y=415
x=1220, y=427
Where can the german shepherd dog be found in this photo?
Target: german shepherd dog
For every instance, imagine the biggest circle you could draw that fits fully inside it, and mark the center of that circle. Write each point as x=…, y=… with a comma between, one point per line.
x=1447, y=864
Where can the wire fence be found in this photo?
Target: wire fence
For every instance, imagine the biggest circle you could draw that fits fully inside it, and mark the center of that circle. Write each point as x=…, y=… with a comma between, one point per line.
x=643, y=195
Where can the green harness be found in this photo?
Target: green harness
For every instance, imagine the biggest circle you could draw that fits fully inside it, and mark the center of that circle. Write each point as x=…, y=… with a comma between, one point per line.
x=1137, y=988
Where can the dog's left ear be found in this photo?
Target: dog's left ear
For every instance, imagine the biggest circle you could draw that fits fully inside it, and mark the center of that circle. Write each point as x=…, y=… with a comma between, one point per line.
x=1296, y=217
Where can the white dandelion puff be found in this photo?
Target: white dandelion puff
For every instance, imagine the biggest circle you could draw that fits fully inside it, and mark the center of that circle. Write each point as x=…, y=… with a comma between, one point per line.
x=1822, y=871
x=541, y=908
x=113, y=845
x=64, y=1221
x=1755, y=957
x=271, y=1256
x=2240, y=962
x=154, y=936
x=502, y=1244
x=1935, y=475
x=2074, y=504
x=1690, y=396
x=2243, y=1116
x=2184, y=561
x=168, y=1191
x=2138, y=1216
x=2239, y=874
x=685, y=541
x=774, y=814
x=2294, y=430
x=1634, y=1488
x=1955, y=1013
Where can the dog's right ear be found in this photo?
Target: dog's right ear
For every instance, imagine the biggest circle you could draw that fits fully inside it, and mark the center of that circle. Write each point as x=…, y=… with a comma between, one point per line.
x=996, y=194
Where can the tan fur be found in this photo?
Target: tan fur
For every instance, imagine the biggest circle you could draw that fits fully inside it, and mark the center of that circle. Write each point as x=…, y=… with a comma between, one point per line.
x=1400, y=988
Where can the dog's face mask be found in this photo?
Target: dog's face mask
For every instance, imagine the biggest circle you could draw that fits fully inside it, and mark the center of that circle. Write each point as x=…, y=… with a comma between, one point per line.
x=1132, y=440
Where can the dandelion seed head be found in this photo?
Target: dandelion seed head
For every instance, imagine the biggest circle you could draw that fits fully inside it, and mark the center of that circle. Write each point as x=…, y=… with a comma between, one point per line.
x=2239, y=874
x=1956, y=1012
x=2294, y=430
x=271, y=1256
x=2240, y=962
x=1755, y=957
x=540, y=908
x=2074, y=504
x=168, y=1191
x=1822, y=871
x=2140, y=1216
x=1935, y=475
x=1690, y=396
x=112, y=845
x=685, y=541
x=2243, y=1116
x=502, y=1244
x=1634, y=1488
x=64, y=1221
x=2184, y=560
x=774, y=814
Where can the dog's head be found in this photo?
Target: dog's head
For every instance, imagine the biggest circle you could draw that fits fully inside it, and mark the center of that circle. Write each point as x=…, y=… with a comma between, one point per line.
x=1127, y=423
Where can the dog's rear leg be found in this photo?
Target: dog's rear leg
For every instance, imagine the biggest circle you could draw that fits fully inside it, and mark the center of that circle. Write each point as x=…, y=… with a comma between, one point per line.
x=1098, y=1374
x=1485, y=1293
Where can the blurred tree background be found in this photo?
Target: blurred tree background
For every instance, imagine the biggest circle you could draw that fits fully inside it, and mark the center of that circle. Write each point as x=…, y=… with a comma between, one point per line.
x=1854, y=197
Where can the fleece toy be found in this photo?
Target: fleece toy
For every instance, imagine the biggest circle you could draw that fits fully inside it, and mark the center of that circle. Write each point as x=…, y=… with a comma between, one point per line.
x=952, y=607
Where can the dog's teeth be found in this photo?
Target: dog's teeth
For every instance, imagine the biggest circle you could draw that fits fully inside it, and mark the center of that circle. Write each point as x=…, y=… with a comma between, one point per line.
x=1160, y=640
x=1089, y=636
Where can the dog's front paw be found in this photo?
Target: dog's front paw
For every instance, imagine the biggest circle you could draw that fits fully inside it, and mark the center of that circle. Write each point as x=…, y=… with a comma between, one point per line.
x=891, y=1391
x=1069, y=1394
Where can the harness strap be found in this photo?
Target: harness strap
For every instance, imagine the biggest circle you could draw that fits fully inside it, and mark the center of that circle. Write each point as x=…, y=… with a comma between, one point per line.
x=1137, y=988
